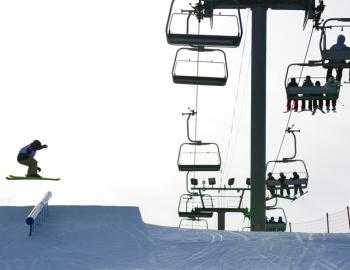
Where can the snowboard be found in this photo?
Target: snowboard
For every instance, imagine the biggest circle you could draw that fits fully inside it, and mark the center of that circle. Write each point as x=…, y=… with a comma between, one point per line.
x=14, y=177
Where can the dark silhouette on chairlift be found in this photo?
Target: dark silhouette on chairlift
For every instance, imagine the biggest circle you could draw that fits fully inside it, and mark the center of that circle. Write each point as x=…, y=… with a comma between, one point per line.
x=201, y=11
x=202, y=72
x=199, y=159
x=334, y=58
x=320, y=93
x=289, y=183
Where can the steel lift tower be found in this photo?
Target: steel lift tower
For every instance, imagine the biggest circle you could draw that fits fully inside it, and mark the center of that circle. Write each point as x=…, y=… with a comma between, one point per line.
x=258, y=90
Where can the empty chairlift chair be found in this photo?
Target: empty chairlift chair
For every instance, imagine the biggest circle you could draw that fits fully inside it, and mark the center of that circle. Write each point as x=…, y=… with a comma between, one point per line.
x=192, y=207
x=200, y=66
x=199, y=156
x=331, y=28
x=197, y=24
x=300, y=92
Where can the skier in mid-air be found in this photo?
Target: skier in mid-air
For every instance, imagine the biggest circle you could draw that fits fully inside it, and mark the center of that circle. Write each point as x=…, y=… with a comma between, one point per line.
x=26, y=157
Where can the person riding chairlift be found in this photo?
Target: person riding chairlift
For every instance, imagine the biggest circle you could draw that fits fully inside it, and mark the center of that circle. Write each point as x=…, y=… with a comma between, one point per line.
x=297, y=187
x=292, y=83
x=280, y=221
x=340, y=45
x=272, y=220
x=283, y=185
x=320, y=101
x=307, y=83
x=269, y=188
x=332, y=82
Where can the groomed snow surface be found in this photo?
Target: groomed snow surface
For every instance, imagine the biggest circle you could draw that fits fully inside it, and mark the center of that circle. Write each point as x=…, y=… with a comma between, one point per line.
x=108, y=238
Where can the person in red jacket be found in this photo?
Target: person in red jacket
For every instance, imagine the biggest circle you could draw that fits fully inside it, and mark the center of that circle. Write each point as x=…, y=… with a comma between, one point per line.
x=270, y=188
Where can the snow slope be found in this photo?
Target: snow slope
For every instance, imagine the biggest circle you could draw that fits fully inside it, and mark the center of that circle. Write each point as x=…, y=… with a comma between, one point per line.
x=108, y=238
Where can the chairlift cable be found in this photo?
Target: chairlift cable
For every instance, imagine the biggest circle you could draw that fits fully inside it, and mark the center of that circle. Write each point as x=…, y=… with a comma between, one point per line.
x=291, y=111
x=237, y=92
x=196, y=107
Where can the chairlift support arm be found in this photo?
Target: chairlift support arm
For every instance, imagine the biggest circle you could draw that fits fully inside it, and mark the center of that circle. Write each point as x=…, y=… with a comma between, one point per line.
x=191, y=113
x=290, y=130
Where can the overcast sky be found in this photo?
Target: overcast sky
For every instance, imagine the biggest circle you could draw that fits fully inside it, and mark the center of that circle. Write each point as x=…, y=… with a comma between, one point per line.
x=92, y=79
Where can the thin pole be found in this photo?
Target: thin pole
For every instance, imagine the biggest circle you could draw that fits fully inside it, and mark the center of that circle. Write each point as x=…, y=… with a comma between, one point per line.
x=258, y=119
x=290, y=227
x=347, y=208
x=221, y=220
x=327, y=222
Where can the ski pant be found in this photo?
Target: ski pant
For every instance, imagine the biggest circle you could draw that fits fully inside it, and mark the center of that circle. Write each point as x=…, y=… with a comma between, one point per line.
x=334, y=103
x=272, y=191
x=339, y=73
x=32, y=165
x=289, y=104
x=296, y=188
x=303, y=102
x=282, y=189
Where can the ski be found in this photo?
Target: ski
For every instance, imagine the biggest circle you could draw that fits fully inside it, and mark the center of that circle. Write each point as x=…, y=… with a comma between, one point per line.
x=14, y=177
x=297, y=197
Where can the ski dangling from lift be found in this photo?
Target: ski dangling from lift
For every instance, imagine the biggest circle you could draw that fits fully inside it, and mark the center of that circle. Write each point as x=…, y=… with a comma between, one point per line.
x=14, y=177
x=297, y=197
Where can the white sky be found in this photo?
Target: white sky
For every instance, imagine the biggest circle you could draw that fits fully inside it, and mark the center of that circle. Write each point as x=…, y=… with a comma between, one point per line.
x=92, y=79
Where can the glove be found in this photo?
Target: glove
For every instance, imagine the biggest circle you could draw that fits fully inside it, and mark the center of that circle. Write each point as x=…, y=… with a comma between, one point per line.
x=44, y=146
x=39, y=169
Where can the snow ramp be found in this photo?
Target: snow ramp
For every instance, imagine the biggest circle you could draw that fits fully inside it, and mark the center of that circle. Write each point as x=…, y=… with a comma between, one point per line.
x=109, y=238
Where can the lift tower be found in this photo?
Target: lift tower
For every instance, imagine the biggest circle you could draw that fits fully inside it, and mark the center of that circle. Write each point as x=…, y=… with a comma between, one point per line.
x=258, y=90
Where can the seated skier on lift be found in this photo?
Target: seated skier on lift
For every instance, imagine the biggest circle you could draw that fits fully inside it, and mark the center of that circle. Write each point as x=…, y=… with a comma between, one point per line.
x=272, y=220
x=297, y=187
x=307, y=83
x=280, y=221
x=26, y=157
x=332, y=82
x=292, y=83
x=283, y=178
x=271, y=189
x=340, y=45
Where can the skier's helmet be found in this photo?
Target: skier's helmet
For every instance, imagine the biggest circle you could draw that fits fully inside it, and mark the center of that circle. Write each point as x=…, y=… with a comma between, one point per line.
x=36, y=144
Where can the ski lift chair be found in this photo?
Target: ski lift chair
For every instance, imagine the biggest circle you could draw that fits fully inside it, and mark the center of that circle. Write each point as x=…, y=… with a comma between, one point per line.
x=183, y=25
x=334, y=58
x=194, y=210
x=199, y=156
x=192, y=226
x=277, y=227
x=322, y=92
x=200, y=66
x=289, y=183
